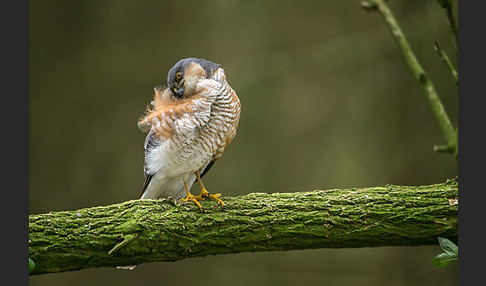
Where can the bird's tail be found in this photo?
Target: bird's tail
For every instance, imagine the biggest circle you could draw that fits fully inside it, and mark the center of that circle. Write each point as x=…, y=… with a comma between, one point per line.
x=167, y=187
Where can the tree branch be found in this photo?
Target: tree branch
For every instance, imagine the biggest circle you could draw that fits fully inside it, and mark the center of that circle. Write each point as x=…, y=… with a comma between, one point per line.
x=447, y=5
x=445, y=59
x=450, y=134
x=141, y=231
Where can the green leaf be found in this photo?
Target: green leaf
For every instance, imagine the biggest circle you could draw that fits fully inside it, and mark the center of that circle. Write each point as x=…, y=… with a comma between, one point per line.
x=443, y=259
x=450, y=254
x=448, y=246
x=31, y=265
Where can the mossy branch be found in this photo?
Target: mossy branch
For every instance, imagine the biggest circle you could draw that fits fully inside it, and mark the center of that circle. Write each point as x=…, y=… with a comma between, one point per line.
x=450, y=133
x=141, y=231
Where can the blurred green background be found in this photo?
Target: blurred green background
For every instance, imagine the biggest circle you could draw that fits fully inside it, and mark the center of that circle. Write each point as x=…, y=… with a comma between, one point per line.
x=327, y=102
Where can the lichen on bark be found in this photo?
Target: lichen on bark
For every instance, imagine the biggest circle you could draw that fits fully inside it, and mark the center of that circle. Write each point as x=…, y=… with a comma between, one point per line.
x=141, y=231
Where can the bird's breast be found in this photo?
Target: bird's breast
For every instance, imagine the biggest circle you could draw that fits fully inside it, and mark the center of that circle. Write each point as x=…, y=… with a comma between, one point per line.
x=187, y=152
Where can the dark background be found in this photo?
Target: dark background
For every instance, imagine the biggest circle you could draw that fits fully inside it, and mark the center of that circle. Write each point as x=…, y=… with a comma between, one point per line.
x=327, y=102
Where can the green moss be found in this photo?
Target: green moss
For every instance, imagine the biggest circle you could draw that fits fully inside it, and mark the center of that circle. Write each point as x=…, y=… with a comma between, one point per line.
x=141, y=231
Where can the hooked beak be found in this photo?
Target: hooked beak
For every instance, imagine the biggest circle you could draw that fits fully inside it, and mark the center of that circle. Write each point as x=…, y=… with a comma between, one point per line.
x=179, y=91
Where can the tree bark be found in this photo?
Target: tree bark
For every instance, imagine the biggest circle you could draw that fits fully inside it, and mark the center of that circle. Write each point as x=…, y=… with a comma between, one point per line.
x=141, y=231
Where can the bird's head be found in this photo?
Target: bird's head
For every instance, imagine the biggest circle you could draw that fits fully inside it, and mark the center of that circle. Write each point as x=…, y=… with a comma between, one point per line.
x=184, y=76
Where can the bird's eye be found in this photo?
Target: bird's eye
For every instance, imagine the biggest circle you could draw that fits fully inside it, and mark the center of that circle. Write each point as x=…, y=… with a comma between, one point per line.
x=178, y=76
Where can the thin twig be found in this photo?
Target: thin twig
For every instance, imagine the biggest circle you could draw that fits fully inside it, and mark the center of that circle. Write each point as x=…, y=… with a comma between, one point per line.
x=450, y=134
x=129, y=238
x=447, y=5
x=447, y=62
x=452, y=21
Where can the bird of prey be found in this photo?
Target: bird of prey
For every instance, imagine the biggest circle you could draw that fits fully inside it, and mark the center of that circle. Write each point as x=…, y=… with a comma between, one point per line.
x=190, y=123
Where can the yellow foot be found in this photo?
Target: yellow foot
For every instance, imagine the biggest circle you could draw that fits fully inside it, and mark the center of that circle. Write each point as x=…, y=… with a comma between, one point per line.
x=191, y=197
x=205, y=194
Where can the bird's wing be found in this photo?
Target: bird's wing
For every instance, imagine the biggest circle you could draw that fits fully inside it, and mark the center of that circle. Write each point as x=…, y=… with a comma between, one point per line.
x=150, y=142
x=207, y=168
x=146, y=183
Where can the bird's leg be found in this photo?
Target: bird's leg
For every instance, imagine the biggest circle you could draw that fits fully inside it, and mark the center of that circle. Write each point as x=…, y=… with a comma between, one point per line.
x=205, y=194
x=191, y=197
